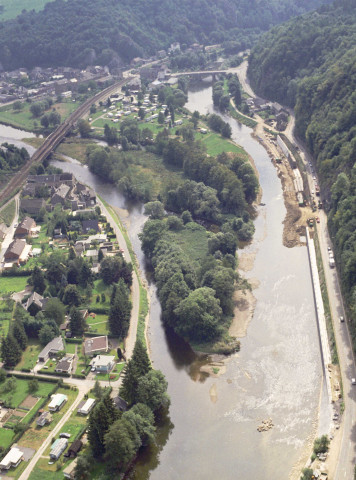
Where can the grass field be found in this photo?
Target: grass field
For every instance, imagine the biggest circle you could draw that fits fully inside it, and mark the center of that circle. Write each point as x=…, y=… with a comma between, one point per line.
x=99, y=324
x=5, y=317
x=193, y=240
x=12, y=8
x=24, y=119
x=216, y=144
x=7, y=214
x=30, y=355
x=6, y=436
x=15, y=398
x=12, y=284
x=74, y=150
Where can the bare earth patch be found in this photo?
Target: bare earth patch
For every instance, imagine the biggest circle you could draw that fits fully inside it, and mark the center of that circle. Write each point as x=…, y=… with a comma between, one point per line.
x=29, y=402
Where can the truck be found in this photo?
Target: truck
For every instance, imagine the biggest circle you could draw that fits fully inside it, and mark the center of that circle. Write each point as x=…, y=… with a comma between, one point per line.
x=317, y=190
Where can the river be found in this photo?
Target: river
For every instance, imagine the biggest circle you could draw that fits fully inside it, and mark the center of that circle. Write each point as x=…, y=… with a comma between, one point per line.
x=211, y=431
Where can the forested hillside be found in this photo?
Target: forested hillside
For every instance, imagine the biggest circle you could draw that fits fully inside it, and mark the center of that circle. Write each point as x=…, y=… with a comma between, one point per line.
x=310, y=63
x=79, y=32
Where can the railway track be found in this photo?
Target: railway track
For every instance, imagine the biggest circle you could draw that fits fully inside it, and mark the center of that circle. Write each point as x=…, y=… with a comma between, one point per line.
x=54, y=139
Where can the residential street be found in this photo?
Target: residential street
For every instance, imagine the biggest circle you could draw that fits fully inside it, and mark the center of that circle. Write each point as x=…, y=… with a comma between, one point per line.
x=11, y=230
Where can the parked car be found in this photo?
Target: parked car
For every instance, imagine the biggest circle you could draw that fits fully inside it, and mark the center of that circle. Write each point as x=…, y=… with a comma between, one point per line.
x=342, y=319
x=353, y=381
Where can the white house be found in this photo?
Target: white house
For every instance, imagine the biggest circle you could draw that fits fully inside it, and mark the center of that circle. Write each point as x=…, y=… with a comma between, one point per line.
x=12, y=459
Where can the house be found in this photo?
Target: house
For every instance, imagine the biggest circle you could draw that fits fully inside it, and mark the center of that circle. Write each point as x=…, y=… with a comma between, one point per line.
x=88, y=225
x=44, y=419
x=92, y=254
x=64, y=365
x=26, y=228
x=32, y=206
x=120, y=404
x=51, y=349
x=57, y=402
x=87, y=407
x=35, y=303
x=12, y=459
x=103, y=363
x=58, y=448
x=60, y=195
x=96, y=345
x=18, y=251
x=74, y=449
x=68, y=472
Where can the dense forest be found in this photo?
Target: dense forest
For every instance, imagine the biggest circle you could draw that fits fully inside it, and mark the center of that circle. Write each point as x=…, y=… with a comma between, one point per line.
x=310, y=64
x=82, y=32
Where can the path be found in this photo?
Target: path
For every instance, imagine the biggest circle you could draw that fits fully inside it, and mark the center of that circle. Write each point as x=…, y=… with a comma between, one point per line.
x=131, y=337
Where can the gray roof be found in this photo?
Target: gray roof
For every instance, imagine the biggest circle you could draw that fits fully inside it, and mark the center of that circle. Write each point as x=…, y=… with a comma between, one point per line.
x=55, y=345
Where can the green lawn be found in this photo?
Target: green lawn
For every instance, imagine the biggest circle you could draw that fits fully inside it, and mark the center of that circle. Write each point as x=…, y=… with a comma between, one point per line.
x=70, y=347
x=30, y=355
x=114, y=374
x=6, y=436
x=16, y=397
x=99, y=324
x=216, y=144
x=12, y=284
x=12, y=8
x=7, y=214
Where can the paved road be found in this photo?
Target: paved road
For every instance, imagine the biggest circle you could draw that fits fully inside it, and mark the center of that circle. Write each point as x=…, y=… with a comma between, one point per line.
x=11, y=230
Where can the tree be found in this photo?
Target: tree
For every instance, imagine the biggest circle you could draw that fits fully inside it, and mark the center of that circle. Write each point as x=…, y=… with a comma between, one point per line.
x=33, y=385
x=45, y=121
x=155, y=210
x=55, y=310
x=71, y=295
x=142, y=418
x=121, y=443
x=98, y=390
x=101, y=417
x=226, y=131
x=160, y=118
x=308, y=474
x=10, y=351
x=17, y=106
x=36, y=109
x=199, y=315
x=46, y=334
x=19, y=334
x=136, y=367
x=120, y=311
x=152, y=390
x=38, y=280
x=2, y=375
x=114, y=268
x=83, y=468
x=84, y=128
x=321, y=445
x=77, y=323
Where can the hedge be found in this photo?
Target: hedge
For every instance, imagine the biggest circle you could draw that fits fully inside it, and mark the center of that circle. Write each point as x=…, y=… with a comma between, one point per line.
x=31, y=377
x=58, y=374
x=99, y=310
x=17, y=273
x=74, y=340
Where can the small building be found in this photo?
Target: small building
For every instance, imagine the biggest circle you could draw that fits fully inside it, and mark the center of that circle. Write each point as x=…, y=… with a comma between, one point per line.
x=60, y=195
x=35, y=303
x=44, y=419
x=64, y=365
x=26, y=228
x=87, y=407
x=3, y=229
x=12, y=459
x=57, y=402
x=51, y=349
x=120, y=404
x=88, y=225
x=96, y=345
x=68, y=472
x=74, y=449
x=58, y=448
x=32, y=206
x=92, y=254
x=103, y=363
x=15, y=250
